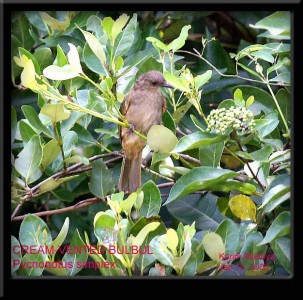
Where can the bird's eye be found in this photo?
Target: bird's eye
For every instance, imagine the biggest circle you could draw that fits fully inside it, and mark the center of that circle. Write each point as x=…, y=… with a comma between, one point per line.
x=154, y=82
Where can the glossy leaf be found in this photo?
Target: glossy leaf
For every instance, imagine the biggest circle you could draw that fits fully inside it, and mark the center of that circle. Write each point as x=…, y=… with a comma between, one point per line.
x=26, y=131
x=281, y=248
x=33, y=118
x=34, y=232
x=179, y=42
x=139, y=239
x=202, y=79
x=50, y=183
x=101, y=183
x=267, y=124
x=276, y=193
x=251, y=253
x=199, y=209
x=213, y=245
x=243, y=207
x=76, y=258
x=230, y=234
x=29, y=159
x=210, y=155
x=279, y=227
x=50, y=152
x=158, y=247
x=198, y=179
x=57, y=242
x=56, y=112
x=161, y=139
x=197, y=140
x=152, y=200
x=15, y=254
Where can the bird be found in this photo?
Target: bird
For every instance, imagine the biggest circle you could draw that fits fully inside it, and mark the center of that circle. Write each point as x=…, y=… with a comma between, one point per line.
x=142, y=107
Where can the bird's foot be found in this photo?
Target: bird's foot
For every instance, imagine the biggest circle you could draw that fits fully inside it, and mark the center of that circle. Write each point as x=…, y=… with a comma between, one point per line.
x=131, y=128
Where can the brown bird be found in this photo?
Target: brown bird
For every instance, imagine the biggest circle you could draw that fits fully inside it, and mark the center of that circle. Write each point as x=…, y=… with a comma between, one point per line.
x=142, y=107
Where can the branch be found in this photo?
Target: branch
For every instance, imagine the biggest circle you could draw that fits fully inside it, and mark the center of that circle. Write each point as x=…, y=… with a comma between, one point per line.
x=68, y=171
x=226, y=75
x=83, y=203
x=189, y=158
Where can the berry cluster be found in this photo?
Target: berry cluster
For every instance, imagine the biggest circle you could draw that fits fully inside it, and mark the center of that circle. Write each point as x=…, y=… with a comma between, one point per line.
x=237, y=118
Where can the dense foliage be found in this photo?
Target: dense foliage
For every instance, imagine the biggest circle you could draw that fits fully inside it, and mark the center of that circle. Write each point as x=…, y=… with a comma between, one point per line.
x=215, y=199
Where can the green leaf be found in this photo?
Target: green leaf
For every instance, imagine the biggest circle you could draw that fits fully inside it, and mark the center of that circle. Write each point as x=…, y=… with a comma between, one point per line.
x=284, y=101
x=15, y=254
x=213, y=245
x=157, y=44
x=169, y=122
x=84, y=136
x=94, y=24
x=30, y=262
x=176, y=82
x=76, y=258
x=205, y=266
x=32, y=58
x=180, y=262
x=243, y=207
x=50, y=183
x=63, y=194
x=139, y=239
x=107, y=25
x=43, y=57
x=104, y=228
x=34, y=232
x=267, y=124
x=101, y=182
x=128, y=203
x=230, y=234
x=278, y=24
x=249, y=253
x=56, y=112
x=264, y=55
x=198, y=139
x=172, y=239
x=118, y=26
x=57, y=242
x=199, y=209
x=158, y=246
x=95, y=46
x=125, y=41
x=50, y=152
x=29, y=159
x=249, y=101
x=202, y=79
x=279, y=227
x=263, y=101
x=60, y=73
x=262, y=154
x=276, y=193
x=33, y=118
x=161, y=139
x=181, y=111
x=92, y=61
x=26, y=131
x=179, y=42
x=20, y=29
x=69, y=141
x=61, y=59
x=281, y=248
x=152, y=200
x=238, y=97
x=210, y=155
x=199, y=178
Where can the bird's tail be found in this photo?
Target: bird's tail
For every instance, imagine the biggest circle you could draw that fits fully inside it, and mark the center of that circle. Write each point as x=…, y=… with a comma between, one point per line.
x=130, y=177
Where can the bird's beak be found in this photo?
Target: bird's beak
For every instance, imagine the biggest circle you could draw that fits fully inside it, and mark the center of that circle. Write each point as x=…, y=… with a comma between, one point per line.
x=166, y=84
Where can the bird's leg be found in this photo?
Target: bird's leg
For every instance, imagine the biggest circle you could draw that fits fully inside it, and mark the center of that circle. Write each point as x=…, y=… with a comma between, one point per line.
x=131, y=128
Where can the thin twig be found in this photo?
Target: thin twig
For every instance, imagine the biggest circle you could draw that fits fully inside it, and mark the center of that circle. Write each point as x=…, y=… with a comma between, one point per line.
x=83, y=203
x=226, y=75
x=189, y=158
x=156, y=173
x=70, y=170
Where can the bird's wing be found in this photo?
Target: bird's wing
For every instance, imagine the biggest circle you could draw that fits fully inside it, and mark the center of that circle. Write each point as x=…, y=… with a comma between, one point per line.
x=124, y=108
x=163, y=104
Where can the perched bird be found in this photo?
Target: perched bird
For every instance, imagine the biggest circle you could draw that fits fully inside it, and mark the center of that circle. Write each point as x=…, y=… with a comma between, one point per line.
x=142, y=107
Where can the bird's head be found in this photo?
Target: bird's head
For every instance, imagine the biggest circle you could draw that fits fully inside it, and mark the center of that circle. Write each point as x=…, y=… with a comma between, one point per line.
x=151, y=80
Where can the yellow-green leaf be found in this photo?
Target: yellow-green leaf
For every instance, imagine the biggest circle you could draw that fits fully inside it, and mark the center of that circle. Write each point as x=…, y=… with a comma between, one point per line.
x=56, y=112
x=172, y=239
x=213, y=246
x=51, y=183
x=95, y=46
x=243, y=207
x=118, y=26
x=54, y=23
x=161, y=139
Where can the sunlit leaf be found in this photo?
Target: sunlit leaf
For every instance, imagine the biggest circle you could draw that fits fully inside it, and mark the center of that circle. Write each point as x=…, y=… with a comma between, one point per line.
x=243, y=207
x=213, y=246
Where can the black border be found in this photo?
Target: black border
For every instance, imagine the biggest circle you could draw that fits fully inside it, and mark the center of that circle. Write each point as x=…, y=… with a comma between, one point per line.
x=110, y=284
